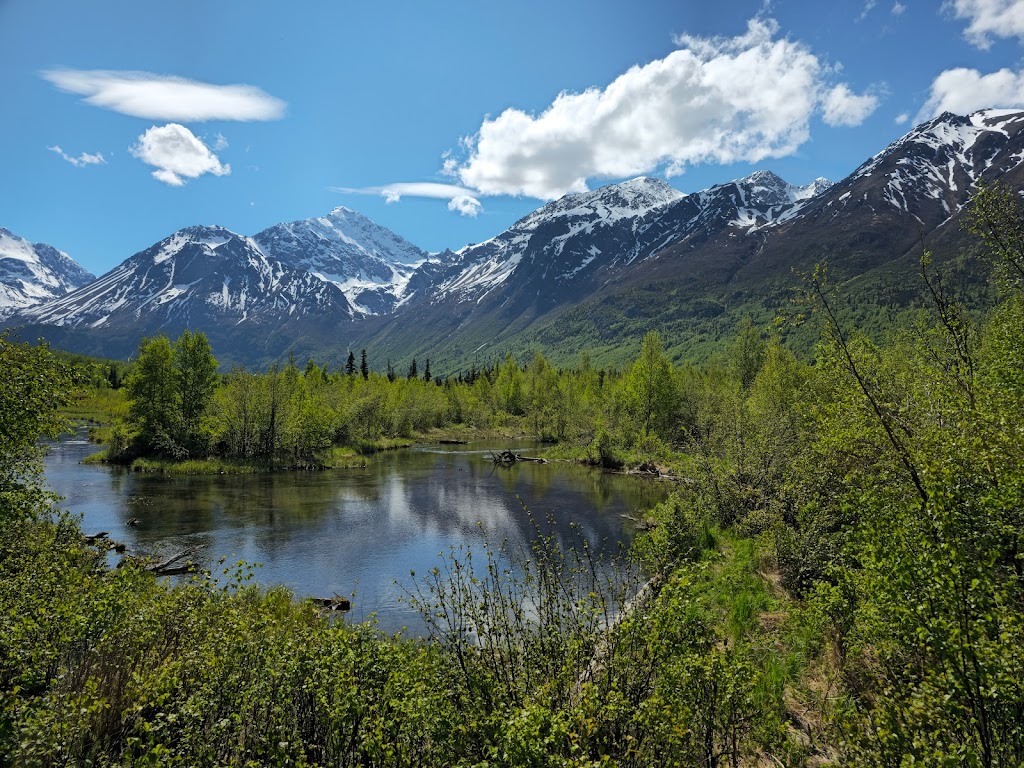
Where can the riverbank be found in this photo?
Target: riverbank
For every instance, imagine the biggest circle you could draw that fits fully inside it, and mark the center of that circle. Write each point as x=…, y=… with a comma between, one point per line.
x=351, y=456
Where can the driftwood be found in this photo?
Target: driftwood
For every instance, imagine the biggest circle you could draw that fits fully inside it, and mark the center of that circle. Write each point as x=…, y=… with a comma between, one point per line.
x=508, y=457
x=335, y=603
x=453, y=442
x=168, y=567
x=93, y=538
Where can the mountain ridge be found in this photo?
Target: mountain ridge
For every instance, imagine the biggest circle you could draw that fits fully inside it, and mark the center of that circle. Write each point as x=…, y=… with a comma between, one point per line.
x=615, y=252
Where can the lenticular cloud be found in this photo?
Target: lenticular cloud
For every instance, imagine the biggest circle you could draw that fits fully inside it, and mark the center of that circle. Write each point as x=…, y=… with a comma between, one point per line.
x=165, y=97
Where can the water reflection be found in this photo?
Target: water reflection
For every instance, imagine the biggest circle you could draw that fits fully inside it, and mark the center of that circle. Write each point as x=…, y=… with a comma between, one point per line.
x=349, y=530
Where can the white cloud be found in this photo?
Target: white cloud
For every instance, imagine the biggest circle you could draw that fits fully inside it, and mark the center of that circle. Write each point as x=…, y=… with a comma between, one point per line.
x=901, y=118
x=963, y=91
x=868, y=7
x=165, y=97
x=465, y=205
x=1002, y=18
x=718, y=100
x=177, y=154
x=842, y=107
x=898, y=8
x=84, y=159
x=220, y=142
x=459, y=198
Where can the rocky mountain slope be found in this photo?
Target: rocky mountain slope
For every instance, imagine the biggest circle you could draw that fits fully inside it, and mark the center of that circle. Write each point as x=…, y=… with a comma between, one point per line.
x=32, y=273
x=372, y=265
x=205, y=278
x=693, y=265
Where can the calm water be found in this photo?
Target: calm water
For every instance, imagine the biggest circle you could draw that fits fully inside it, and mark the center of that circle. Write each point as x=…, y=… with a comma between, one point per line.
x=339, y=531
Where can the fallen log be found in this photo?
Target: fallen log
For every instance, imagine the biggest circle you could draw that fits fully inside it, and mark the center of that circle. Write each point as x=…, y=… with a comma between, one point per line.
x=508, y=457
x=168, y=568
x=335, y=603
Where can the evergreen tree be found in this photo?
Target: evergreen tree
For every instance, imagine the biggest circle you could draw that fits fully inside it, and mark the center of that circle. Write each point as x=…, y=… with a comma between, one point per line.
x=364, y=369
x=426, y=371
x=391, y=372
x=350, y=365
x=412, y=370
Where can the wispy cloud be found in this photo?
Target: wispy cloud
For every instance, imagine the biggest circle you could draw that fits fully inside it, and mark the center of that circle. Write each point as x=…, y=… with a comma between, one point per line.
x=999, y=18
x=717, y=100
x=460, y=199
x=177, y=154
x=166, y=97
x=901, y=118
x=963, y=91
x=898, y=8
x=82, y=160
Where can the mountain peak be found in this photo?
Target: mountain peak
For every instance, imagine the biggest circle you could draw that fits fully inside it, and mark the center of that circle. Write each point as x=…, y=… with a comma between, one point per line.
x=643, y=192
x=343, y=212
x=764, y=188
x=31, y=273
x=764, y=178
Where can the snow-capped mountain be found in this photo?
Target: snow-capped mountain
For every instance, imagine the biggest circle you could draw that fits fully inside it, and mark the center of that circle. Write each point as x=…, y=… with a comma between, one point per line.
x=597, y=234
x=910, y=194
x=202, y=277
x=197, y=273
x=31, y=273
x=944, y=158
x=687, y=264
x=556, y=243
x=369, y=263
x=596, y=265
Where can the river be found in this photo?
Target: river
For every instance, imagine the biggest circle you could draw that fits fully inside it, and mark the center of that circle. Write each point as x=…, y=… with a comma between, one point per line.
x=362, y=531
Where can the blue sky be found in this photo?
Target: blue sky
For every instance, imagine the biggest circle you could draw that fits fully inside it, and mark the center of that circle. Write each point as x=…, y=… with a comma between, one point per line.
x=447, y=121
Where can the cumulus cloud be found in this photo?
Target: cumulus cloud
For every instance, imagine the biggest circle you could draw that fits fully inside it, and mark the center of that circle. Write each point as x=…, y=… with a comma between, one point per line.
x=1002, y=18
x=963, y=91
x=177, y=155
x=465, y=205
x=841, y=106
x=715, y=99
x=165, y=97
x=459, y=199
x=84, y=159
